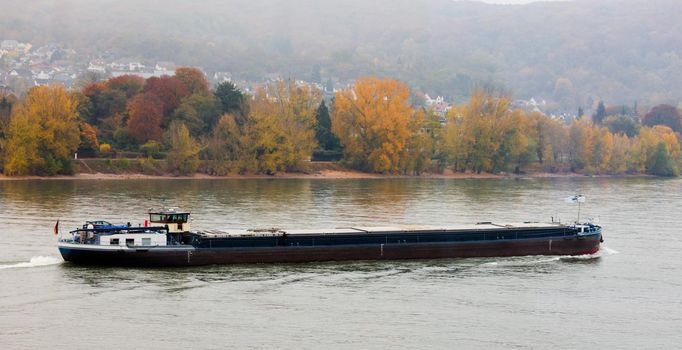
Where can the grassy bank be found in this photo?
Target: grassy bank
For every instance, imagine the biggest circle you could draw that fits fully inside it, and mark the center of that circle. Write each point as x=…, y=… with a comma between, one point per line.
x=143, y=168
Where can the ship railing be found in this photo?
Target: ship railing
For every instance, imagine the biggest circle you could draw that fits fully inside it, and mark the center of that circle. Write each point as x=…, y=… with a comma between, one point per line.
x=118, y=230
x=91, y=235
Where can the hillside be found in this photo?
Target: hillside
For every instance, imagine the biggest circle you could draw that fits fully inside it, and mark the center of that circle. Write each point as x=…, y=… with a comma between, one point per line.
x=569, y=52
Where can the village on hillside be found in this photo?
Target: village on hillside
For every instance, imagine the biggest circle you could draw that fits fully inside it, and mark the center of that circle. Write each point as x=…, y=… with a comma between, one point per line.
x=24, y=65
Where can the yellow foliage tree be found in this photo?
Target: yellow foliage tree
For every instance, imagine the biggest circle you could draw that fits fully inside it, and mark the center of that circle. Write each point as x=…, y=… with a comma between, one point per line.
x=620, y=154
x=420, y=146
x=226, y=147
x=602, y=150
x=375, y=124
x=183, y=156
x=43, y=133
x=550, y=137
x=486, y=135
x=580, y=145
x=281, y=126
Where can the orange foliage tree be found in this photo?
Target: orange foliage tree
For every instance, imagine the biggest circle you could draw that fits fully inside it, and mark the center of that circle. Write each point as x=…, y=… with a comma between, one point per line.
x=145, y=113
x=375, y=123
x=193, y=79
x=129, y=85
x=169, y=90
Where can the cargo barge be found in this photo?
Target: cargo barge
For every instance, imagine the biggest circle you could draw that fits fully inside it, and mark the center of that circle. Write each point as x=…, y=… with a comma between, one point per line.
x=166, y=240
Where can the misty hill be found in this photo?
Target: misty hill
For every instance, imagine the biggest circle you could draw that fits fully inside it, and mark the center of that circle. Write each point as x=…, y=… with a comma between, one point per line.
x=571, y=52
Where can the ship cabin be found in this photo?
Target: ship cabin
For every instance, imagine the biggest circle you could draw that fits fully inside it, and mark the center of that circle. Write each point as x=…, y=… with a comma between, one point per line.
x=175, y=221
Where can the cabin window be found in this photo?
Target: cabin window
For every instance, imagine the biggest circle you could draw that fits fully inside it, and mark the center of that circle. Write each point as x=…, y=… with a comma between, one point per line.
x=130, y=241
x=146, y=241
x=168, y=218
x=113, y=241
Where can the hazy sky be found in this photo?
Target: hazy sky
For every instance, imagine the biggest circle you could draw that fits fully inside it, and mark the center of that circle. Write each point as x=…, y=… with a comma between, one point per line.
x=513, y=1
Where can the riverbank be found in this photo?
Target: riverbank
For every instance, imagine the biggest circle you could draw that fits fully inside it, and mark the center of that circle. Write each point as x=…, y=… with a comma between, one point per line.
x=322, y=174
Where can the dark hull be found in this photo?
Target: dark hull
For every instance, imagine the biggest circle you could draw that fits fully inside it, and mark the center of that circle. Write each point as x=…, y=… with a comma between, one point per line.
x=190, y=256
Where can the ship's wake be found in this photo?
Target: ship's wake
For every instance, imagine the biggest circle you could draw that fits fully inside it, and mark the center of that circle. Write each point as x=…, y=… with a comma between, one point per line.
x=603, y=251
x=540, y=259
x=35, y=261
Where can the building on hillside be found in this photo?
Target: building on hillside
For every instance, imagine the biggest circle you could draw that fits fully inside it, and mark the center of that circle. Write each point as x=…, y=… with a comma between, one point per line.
x=164, y=68
x=438, y=105
x=123, y=65
x=9, y=45
x=221, y=77
x=141, y=74
x=65, y=79
x=531, y=105
x=564, y=117
x=20, y=73
x=97, y=66
x=42, y=78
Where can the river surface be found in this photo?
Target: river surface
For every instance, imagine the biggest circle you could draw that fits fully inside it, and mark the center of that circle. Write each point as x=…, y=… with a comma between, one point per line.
x=627, y=296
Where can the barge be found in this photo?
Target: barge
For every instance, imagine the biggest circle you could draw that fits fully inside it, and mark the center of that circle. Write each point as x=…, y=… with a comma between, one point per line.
x=165, y=239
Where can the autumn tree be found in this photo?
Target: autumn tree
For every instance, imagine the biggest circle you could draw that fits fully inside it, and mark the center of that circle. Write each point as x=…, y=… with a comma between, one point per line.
x=183, y=155
x=43, y=133
x=104, y=102
x=663, y=160
x=88, y=145
x=618, y=164
x=193, y=79
x=663, y=115
x=281, y=126
x=169, y=90
x=129, y=85
x=145, y=113
x=198, y=112
x=550, y=140
x=433, y=127
x=602, y=150
x=227, y=147
x=7, y=103
x=372, y=121
x=580, y=145
x=660, y=163
x=420, y=146
x=486, y=135
x=622, y=124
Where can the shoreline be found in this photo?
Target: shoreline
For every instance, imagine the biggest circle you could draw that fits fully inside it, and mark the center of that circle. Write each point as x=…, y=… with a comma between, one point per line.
x=323, y=174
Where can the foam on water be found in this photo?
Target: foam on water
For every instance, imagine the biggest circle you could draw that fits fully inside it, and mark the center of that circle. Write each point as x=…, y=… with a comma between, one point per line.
x=609, y=251
x=603, y=251
x=523, y=261
x=35, y=261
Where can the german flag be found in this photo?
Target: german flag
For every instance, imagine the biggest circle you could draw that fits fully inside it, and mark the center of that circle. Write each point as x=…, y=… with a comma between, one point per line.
x=56, y=228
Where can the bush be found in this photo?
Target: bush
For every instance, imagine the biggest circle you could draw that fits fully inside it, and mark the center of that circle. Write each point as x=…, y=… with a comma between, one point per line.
x=152, y=149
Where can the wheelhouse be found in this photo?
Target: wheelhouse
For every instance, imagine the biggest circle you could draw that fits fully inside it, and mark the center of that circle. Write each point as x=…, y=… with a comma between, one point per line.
x=175, y=221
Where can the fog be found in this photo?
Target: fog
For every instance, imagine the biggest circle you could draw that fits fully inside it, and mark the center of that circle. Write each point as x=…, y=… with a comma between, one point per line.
x=618, y=50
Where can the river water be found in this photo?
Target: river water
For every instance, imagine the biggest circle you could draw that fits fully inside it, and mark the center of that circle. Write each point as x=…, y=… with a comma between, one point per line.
x=628, y=296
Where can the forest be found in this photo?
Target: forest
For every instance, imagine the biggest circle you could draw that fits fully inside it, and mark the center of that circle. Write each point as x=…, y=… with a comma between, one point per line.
x=572, y=53
x=374, y=126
